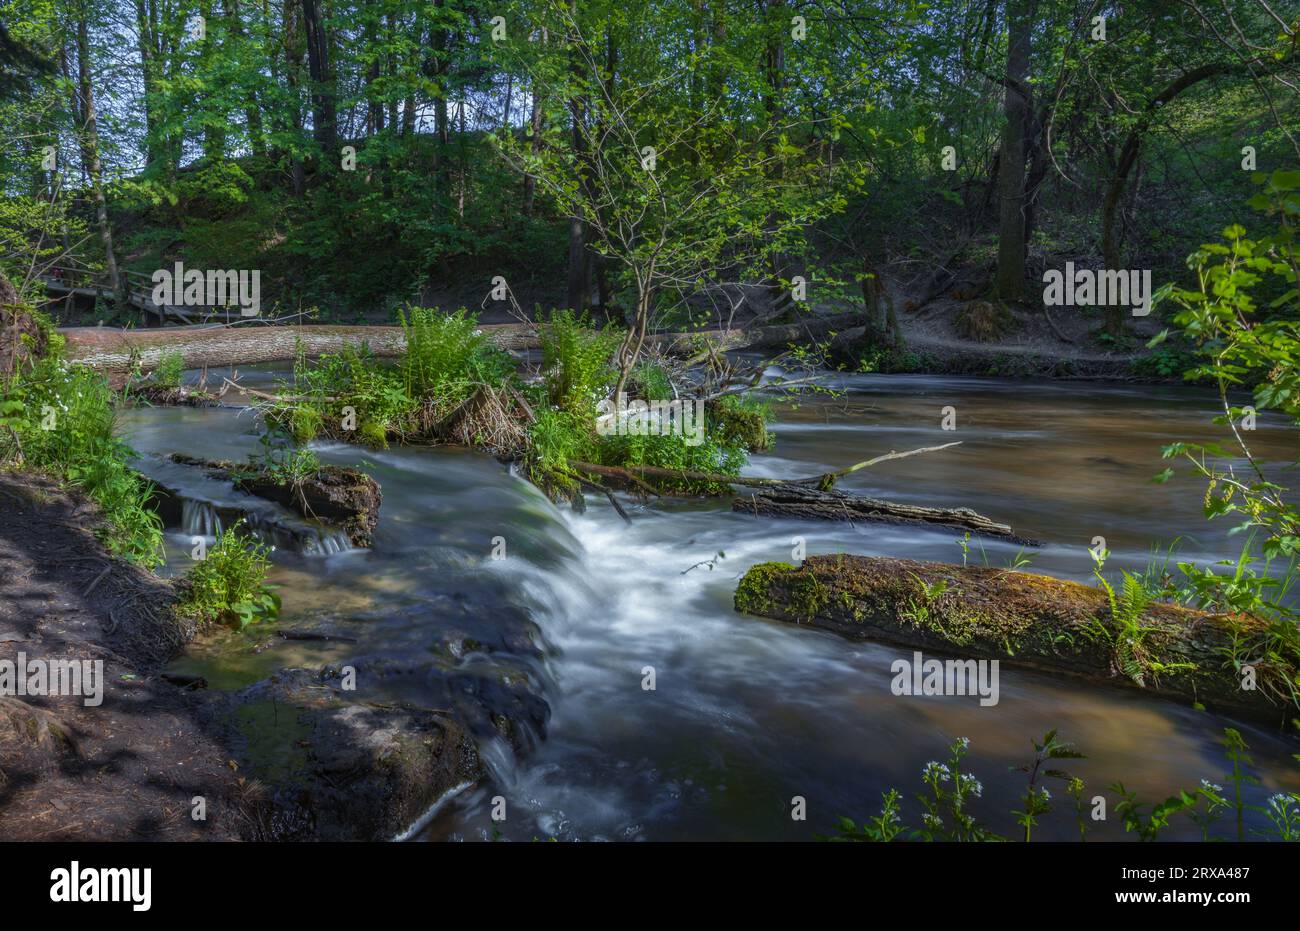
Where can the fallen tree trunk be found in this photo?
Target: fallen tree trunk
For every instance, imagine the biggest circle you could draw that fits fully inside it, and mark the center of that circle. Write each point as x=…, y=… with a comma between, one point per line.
x=1027, y=620
x=799, y=501
x=813, y=497
x=118, y=351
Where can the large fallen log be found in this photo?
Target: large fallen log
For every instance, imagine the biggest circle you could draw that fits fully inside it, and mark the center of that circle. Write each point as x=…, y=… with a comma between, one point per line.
x=113, y=350
x=812, y=497
x=799, y=501
x=118, y=351
x=1033, y=621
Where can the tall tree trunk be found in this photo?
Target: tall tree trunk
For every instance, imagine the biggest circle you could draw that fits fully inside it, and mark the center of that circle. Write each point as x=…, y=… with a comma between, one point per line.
x=1009, y=282
x=578, y=277
x=324, y=118
x=214, y=131
x=148, y=45
x=774, y=73
x=293, y=55
x=252, y=112
x=535, y=128
x=88, y=138
x=441, y=43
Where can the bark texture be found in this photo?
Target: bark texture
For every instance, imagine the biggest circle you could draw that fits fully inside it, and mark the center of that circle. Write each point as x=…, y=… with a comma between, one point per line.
x=117, y=351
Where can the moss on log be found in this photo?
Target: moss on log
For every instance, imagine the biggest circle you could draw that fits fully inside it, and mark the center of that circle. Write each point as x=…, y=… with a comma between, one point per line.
x=1025, y=620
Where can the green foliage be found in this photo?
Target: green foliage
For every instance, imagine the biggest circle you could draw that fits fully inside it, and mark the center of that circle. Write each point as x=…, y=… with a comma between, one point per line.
x=1123, y=630
x=169, y=370
x=1036, y=798
x=556, y=438
x=353, y=378
x=950, y=793
x=740, y=420
x=228, y=585
x=1165, y=362
x=59, y=418
x=1243, y=347
x=1243, y=344
x=576, y=362
x=282, y=460
x=447, y=357
x=214, y=190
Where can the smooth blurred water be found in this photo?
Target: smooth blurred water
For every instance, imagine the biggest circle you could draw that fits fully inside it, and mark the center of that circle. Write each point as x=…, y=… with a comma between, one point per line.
x=747, y=714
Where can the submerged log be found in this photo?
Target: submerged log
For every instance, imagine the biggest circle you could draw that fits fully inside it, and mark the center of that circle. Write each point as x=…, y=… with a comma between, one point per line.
x=345, y=498
x=1029, y=620
x=813, y=497
x=800, y=501
x=118, y=351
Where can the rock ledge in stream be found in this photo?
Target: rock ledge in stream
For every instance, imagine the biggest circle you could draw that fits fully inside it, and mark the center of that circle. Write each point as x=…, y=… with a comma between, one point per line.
x=338, y=768
x=1022, y=619
x=344, y=498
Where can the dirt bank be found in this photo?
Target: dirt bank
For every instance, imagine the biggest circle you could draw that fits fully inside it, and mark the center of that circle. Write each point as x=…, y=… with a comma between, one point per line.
x=299, y=756
x=129, y=768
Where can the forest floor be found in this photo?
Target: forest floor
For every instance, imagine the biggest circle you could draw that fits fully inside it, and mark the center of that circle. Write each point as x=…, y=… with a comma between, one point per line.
x=932, y=331
x=126, y=769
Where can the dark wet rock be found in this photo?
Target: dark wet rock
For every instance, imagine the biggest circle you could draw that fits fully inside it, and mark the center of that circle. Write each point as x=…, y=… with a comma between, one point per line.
x=337, y=767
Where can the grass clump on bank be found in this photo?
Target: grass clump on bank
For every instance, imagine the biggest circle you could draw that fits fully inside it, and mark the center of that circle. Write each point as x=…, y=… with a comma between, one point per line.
x=58, y=418
x=228, y=585
x=578, y=373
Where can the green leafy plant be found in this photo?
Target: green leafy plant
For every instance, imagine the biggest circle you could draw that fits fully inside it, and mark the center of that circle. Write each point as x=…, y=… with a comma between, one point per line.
x=59, y=418
x=229, y=584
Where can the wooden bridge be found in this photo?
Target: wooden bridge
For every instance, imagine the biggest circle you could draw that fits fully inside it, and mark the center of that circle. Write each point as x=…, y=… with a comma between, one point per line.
x=73, y=280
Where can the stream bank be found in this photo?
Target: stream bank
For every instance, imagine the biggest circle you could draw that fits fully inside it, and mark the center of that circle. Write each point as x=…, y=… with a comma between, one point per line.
x=140, y=753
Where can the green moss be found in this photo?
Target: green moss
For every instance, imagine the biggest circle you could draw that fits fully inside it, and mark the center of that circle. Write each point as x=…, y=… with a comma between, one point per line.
x=752, y=593
x=805, y=595
x=273, y=735
x=738, y=421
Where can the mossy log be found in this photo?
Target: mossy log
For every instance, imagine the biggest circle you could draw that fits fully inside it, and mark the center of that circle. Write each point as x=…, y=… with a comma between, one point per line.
x=345, y=498
x=1028, y=620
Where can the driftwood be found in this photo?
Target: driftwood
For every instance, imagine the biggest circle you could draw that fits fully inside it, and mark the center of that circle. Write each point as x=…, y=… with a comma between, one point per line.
x=638, y=473
x=1029, y=620
x=118, y=351
x=799, y=501
x=812, y=497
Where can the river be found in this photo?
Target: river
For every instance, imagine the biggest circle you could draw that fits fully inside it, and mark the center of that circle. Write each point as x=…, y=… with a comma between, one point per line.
x=747, y=714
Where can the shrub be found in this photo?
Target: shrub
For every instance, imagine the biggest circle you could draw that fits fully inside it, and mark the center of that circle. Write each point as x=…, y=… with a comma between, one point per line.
x=228, y=585
x=984, y=321
x=448, y=356
x=739, y=420
x=169, y=370
x=576, y=362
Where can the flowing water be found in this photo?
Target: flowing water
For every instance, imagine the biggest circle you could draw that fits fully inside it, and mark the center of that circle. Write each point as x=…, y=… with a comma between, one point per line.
x=745, y=714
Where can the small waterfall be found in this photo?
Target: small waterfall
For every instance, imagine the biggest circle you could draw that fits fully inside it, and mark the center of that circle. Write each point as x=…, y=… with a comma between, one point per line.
x=200, y=518
x=327, y=542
